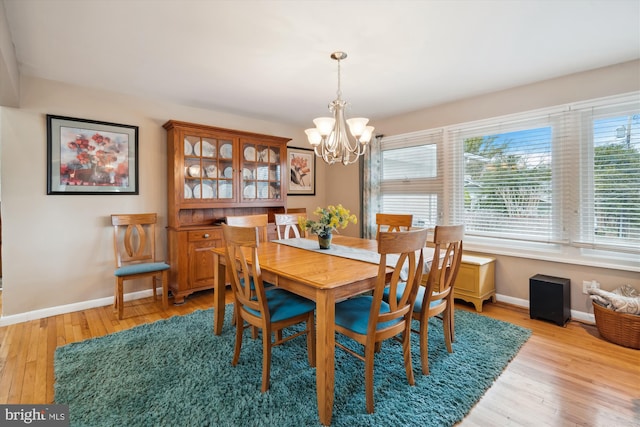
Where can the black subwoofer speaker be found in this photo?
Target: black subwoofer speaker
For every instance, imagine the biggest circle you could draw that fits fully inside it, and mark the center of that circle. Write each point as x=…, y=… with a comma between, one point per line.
x=550, y=298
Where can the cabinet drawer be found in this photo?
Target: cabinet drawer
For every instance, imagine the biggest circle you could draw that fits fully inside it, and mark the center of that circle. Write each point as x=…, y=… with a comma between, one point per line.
x=204, y=235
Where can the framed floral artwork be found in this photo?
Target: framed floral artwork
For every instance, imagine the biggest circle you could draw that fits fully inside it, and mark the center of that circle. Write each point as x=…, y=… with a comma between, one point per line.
x=301, y=164
x=91, y=157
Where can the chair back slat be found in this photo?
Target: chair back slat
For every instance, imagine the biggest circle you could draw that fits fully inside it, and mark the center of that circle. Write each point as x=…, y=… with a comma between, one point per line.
x=288, y=225
x=134, y=238
x=393, y=222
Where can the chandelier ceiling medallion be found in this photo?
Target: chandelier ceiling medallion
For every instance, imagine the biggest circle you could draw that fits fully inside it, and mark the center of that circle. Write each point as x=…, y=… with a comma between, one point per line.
x=330, y=139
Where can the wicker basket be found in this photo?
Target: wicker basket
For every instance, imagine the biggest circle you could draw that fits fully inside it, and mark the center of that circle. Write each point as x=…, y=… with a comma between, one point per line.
x=619, y=328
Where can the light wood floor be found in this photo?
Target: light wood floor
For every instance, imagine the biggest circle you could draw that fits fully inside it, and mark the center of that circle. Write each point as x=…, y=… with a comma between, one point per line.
x=563, y=376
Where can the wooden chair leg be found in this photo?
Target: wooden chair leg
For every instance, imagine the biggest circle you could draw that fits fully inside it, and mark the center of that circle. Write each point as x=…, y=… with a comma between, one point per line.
x=116, y=298
x=154, y=284
x=120, y=298
x=406, y=352
x=452, y=322
x=165, y=289
x=238, y=344
x=446, y=327
x=424, y=345
x=368, y=377
x=266, y=359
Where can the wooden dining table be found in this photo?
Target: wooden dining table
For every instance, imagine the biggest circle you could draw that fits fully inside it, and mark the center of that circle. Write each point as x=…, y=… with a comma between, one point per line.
x=320, y=277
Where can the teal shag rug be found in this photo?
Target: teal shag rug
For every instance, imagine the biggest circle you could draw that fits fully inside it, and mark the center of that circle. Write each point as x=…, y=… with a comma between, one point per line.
x=176, y=372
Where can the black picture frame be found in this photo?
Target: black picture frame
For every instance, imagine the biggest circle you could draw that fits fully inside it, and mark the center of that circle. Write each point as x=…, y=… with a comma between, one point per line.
x=301, y=172
x=91, y=157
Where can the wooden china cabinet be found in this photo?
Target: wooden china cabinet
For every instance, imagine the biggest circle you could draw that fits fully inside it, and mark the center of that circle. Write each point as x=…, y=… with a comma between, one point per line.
x=213, y=173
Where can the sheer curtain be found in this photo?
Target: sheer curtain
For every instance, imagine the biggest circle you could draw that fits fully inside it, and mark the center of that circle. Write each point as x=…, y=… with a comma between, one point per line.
x=370, y=195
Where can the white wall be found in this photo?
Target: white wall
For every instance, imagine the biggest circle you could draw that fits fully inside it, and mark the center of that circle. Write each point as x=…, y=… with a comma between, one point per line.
x=57, y=250
x=512, y=273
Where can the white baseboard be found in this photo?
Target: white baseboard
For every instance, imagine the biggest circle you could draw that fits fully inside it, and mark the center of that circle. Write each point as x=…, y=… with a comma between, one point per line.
x=101, y=302
x=69, y=308
x=580, y=316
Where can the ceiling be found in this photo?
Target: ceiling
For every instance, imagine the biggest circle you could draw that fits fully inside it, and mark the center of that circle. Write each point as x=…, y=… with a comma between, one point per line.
x=270, y=59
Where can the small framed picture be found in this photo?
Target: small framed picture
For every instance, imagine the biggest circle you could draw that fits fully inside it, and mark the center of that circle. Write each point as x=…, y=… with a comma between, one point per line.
x=301, y=163
x=91, y=157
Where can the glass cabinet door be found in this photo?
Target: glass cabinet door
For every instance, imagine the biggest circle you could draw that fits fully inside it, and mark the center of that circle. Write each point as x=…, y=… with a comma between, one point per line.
x=261, y=174
x=208, y=169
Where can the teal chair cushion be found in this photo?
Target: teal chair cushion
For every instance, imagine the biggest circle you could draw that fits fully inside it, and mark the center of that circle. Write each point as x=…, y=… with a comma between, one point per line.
x=417, y=308
x=266, y=285
x=285, y=305
x=141, y=268
x=353, y=314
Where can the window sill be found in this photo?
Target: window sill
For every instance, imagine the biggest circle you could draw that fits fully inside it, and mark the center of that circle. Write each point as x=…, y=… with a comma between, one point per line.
x=555, y=253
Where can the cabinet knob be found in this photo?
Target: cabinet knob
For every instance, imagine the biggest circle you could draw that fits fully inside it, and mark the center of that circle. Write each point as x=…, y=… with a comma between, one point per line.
x=205, y=235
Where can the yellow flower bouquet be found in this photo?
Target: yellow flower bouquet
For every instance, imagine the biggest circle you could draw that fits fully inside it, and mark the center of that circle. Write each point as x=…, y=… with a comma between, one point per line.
x=331, y=219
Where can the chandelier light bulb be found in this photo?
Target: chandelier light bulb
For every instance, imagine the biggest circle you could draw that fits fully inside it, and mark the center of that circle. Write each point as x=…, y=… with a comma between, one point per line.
x=357, y=126
x=367, y=134
x=324, y=125
x=314, y=136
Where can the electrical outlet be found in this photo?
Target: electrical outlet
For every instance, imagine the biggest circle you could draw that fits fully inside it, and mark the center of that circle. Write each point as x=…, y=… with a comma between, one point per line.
x=586, y=285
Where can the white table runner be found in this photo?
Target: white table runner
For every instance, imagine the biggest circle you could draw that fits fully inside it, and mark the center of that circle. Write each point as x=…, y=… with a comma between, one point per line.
x=352, y=253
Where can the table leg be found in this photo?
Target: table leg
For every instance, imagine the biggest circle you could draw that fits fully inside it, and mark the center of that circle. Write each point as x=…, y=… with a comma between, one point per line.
x=325, y=354
x=218, y=294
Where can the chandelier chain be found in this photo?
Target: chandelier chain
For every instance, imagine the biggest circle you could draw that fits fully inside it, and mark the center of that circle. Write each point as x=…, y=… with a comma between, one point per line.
x=339, y=93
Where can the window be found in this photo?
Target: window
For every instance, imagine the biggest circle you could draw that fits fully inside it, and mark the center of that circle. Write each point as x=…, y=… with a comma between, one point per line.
x=610, y=207
x=508, y=189
x=411, y=180
x=565, y=179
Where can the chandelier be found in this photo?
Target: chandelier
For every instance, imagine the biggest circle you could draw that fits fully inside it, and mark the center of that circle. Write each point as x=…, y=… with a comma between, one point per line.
x=330, y=139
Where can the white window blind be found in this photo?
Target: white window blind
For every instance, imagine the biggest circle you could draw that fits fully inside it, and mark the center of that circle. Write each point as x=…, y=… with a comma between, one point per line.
x=610, y=178
x=411, y=177
x=509, y=178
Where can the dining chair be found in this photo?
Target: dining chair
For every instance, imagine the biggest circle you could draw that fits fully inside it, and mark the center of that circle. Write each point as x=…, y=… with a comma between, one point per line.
x=261, y=221
x=287, y=225
x=134, y=245
x=272, y=310
x=393, y=222
x=369, y=320
x=435, y=297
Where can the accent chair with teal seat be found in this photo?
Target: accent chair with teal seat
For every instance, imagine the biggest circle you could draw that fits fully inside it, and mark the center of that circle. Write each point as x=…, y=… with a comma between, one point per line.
x=369, y=320
x=269, y=310
x=134, y=245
